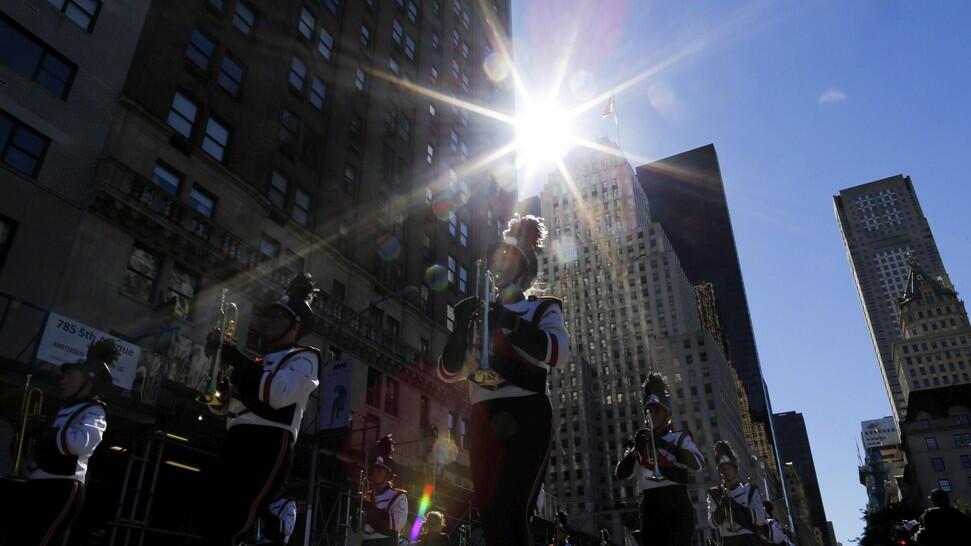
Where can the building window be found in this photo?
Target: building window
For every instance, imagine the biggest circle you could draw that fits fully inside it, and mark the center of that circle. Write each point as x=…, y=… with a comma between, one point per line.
x=944, y=485
x=350, y=178
x=463, y=279
x=244, y=18
x=306, y=24
x=202, y=201
x=231, y=73
x=365, y=36
x=216, y=139
x=298, y=74
x=278, y=190
x=301, y=207
x=290, y=125
x=436, y=40
x=332, y=5
x=412, y=11
x=391, y=397
x=452, y=427
x=396, y=31
x=393, y=67
x=452, y=268
x=429, y=154
x=360, y=79
x=453, y=223
x=139, y=281
x=410, y=47
x=464, y=234
x=965, y=459
x=183, y=114
x=434, y=74
x=931, y=442
x=7, y=229
x=21, y=147
x=167, y=178
x=463, y=424
x=81, y=12
x=373, y=396
x=269, y=246
x=449, y=317
x=200, y=49
x=325, y=45
x=317, y=93
x=182, y=290
x=938, y=464
x=33, y=59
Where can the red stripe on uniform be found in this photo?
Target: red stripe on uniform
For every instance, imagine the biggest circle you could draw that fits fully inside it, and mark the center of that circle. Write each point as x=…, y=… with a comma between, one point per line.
x=554, y=349
x=60, y=517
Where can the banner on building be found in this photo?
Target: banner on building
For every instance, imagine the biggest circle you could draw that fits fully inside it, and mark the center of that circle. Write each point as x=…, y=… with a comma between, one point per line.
x=336, y=382
x=67, y=340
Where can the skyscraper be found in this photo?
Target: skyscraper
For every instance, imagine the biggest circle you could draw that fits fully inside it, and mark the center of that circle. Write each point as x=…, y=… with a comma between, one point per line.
x=630, y=309
x=792, y=441
x=882, y=223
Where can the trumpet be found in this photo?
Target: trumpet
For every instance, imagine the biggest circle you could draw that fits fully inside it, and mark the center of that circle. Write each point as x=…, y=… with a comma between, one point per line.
x=485, y=292
x=30, y=406
x=228, y=315
x=649, y=422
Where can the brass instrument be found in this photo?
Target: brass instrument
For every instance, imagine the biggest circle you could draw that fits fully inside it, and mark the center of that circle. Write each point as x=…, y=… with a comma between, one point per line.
x=649, y=422
x=228, y=315
x=731, y=513
x=485, y=293
x=30, y=406
x=365, y=494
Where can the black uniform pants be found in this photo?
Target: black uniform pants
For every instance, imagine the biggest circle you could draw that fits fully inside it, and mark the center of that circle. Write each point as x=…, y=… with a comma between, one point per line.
x=251, y=472
x=740, y=540
x=667, y=517
x=43, y=514
x=509, y=450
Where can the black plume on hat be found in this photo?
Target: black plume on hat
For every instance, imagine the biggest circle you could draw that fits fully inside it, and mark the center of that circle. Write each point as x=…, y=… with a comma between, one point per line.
x=655, y=391
x=97, y=363
x=527, y=233
x=383, y=453
x=300, y=294
x=724, y=454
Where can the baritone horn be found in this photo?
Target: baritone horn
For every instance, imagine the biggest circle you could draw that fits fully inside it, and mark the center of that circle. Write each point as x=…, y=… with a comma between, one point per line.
x=485, y=293
x=31, y=405
x=226, y=324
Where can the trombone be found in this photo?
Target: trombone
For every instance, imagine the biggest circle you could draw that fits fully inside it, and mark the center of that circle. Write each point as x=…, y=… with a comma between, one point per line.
x=30, y=406
x=649, y=422
x=485, y=293
x=226, y=324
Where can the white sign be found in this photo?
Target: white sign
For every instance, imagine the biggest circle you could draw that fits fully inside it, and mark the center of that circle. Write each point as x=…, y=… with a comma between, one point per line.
x=67, y=340
x=335, y=393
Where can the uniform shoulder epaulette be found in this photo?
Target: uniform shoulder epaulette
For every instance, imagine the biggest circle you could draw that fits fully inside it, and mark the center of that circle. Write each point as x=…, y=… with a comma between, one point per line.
x=400, y=490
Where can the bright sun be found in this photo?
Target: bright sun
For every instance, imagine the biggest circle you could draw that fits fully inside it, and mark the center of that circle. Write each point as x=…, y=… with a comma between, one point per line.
x=542, y=133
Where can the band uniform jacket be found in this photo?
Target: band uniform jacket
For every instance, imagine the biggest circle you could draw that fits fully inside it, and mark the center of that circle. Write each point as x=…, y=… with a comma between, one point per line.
x=548, y=347
x=672, y=470
x=774, y=534
x=393, y=502
x=62, y=452
x=288, y=378
x=747, y=514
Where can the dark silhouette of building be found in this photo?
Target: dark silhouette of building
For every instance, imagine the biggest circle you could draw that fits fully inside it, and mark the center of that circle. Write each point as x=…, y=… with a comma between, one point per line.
x=792, y=440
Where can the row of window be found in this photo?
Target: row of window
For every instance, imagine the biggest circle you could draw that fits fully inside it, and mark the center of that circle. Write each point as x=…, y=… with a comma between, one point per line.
x=938, y=463
x=960, y=440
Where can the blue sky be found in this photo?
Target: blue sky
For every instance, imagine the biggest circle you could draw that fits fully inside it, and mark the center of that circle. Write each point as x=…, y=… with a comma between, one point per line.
x=801, y=99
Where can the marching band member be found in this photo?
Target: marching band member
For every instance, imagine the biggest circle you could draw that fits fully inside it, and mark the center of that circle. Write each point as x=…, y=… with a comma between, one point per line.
x=667, y=516
x=431, y=530
x=734, y=508
x=385, y=507
x=56, y=470
x=510, y=421
x=774, y=532
x=263, y=417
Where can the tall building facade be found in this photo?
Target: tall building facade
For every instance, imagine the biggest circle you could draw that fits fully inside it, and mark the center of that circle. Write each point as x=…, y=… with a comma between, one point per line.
x=807, y=534
x=881, y=224
x=687, y=198
x=630, y=309
x=793, y=443
x=883, y=464
x=163, y=151
x=934, y=349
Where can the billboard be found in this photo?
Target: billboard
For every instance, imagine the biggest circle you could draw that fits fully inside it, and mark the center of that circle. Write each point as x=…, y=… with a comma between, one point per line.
x=67, y=340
